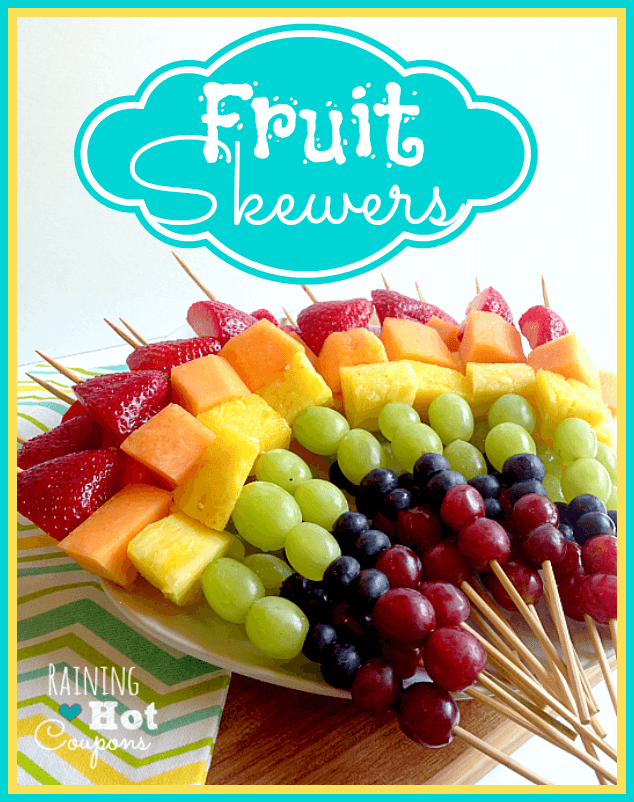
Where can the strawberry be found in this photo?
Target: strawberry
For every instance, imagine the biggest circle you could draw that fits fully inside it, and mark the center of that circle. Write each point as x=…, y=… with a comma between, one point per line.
x=437, y=312
x=215, y=319
x=540, y=325
x=291, y=329
x=389, y=303
x=316, y=322
x=165, y=356
x=76, y=408
x=80, y=433
x=59, y=494
x=122, y=402
x=264, y=314
x=490, y=300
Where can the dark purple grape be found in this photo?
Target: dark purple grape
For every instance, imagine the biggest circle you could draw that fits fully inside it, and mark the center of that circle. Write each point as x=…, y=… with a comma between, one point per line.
x=296, y=588
x=488, y=486
x=339, y=480
x=339, y=575
x=525, y=488
x=567, y=531
x=592, y=524
x=395, y=501
x=347, y=529
x=563, y=512
x=372, y=490
x=320, y=641
x=369, y=587
x=612, y=514
x=341, y=665
x=369, y=545
x=428, y=465
x=439, y=484
x=494, y=509
x=523, y=467
x=581, y=505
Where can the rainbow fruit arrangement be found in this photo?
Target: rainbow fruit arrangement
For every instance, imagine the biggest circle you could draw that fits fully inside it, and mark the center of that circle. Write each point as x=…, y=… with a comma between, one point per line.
x=459, y=452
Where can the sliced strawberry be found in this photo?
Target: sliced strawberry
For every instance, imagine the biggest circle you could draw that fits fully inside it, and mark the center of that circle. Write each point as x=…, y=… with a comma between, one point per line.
x=264, y=314
x=389, y=303
x=437, y=312
x=316, y=322
x=122, y=402
x=80, y=433
x=76, y=408
x=165, y=356
x=541, y=325
x=58, y=495
x=291, y=329
x=215, y=319
x=136, y=474
x=490, y=300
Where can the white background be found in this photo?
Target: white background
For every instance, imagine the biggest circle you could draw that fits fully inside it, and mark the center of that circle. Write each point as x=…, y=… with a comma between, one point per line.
x=79, y=261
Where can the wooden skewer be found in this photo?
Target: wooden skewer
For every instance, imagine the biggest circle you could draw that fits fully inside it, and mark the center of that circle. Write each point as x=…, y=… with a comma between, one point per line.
x=545, y=294
x=478, y=290
x=134, y=332
x=20, y=470
x=21, y=440
x=494, y=638
x=601, y=657
x=494, y=753
x=420, y=293
x=613, y=632
x=289, y=317
x=194, y=277
x=51, y=389
x=386, y=285
x=125, y=337
x=61, y=369
x=310, y=293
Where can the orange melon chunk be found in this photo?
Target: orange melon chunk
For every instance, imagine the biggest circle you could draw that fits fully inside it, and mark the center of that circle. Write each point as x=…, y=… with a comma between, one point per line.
x=409, y=339
x=346, y=349
x=489, y=338
x=309, y=353
x=260, y=351
x=100, y=543
x=202, y=383
x=568, y=357
x=608, y=389
x=172, y=444
x=448, y=332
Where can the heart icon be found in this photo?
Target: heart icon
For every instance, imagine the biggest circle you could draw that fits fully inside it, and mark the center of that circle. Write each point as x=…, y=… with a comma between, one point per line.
x=69, y=713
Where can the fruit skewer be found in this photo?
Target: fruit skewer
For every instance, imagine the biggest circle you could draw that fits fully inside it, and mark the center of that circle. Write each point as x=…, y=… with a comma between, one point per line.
x=310, y=293
x=134, y=332
x=21, y=440
x=52, y=389
x=385, y=282
x=69, y=374
x=194, y=277
x=125, y=337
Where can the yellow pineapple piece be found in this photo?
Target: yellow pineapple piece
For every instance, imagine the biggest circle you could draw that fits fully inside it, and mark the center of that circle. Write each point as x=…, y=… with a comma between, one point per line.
x=434, y=381
x=605, y=430
x=297, y=387
x=212, y=494
x=253, y=417
x=558, y=398
x=486, y=382
x=173, y=553
x=368, y=388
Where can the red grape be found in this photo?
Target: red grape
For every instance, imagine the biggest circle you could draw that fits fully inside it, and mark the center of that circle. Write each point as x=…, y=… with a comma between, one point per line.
x=453, y=658
x=570, y=596
x=404, y=616
x=571, y=564
x=401, y=566
x=598, y=596
x=461, y=505
x=544, y=543
x=526, y=581
x=375, y=687
x=450, y=604
x=599, y=555
x=444, y=562
x=427, y=714
x=419, y=528
x=532, y=510
x=405, y=659
x=484, y=540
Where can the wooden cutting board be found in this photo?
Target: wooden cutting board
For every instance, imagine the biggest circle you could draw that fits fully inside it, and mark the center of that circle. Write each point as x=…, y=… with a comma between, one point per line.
x=275, y=736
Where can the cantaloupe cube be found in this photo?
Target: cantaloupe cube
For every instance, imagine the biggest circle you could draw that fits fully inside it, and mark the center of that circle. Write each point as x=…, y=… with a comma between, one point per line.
x=448, y=332
x=312, y=358
x=202, y=383
x=253, y=417
x=432, y=381
x=609, y=389
x=368, y=388
x=173, y=553
x=172, y=444
x=100, y=543
x=486, y=382
x=348, y=348
x=297, y=387
x=260, y=351
x=409, y=339
x=489, y=338
x=212, y=494
x=558, y=398
x=568, y=357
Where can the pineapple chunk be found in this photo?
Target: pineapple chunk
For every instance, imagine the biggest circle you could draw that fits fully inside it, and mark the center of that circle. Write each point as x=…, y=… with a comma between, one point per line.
x=434, y=381
x=298, y=387
x=212, y=494
x=558, y=398
x=605, y=430
x=368, y=388
x=173, y=553
x=486, y=382
x=253, y=417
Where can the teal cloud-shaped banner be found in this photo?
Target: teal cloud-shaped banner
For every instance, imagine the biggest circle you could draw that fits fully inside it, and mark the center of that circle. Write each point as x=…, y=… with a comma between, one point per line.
x=306, y=153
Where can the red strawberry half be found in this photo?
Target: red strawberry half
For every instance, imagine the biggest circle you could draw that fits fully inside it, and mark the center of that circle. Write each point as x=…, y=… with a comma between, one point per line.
x=76, y=408
x=316, y=322
x=490, y=300
x=80, y=433
x=215, y=319
x=58, y=495
x=541, y=325
x=165, y=356
x=264, y=314
x=437, y=312
x=122, y=402
x=389, y=303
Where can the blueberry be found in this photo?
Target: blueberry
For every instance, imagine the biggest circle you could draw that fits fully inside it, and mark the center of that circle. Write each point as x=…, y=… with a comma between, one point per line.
x=592, y=524
x=582, y=504
x=373, y=488
x=567, y=531
x=494, y=509
x=427, y=466
x=340, y=666
x=520, y=489
x=370, y=586
x=438, y=486
x=368, y=546
x=339, y=480
x=612, y=514
x=339, y=575
x=320, y=642
x=487, y=485
x=399, y=499
x=521, y=467
x=347, y=529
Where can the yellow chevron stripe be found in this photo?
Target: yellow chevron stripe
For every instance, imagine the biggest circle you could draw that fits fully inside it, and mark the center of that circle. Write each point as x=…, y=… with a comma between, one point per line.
x=36, y=542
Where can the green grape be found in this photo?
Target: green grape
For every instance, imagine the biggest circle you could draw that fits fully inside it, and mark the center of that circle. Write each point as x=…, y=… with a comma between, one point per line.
x=271, y=570
x=394, y=415
x=236, y=550
x=277, y=627
x=230, y=588
x=264, y=514
x=505, y=440
x=552, y=485
x=413, y=440
x=552, y=462
x=388, y=460
x=310, y=549
x=320, y=502
x=574, y=439
x=611, y=502
x=480, y=430
x=465, y=458
x=586, y=475
x=451, y=417
x=320, y=429
x=512, y=408
x=607, y=457
x=282, y=468
x=359, y=453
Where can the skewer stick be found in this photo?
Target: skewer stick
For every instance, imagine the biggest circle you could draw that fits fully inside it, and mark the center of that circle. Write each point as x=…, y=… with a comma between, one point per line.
x=310, y=293
x=134, y=332
x=560, y=668
x=125, y=337
x=603, y=660
x=545, y=294
x=20, y=470
x=613, y=632
x=194, y=277
x=386, y=285
x=496, y=754
x=478, y=290
x=61, y=369
x=494, y=638
x=21, y=440
x=51, y=389
x=289, y=317
x=420, y=293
